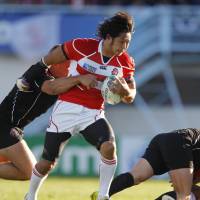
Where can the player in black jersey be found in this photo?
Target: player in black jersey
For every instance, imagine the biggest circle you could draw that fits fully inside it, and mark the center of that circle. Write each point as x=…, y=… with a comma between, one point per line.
x=34, y=92
x=177, y=153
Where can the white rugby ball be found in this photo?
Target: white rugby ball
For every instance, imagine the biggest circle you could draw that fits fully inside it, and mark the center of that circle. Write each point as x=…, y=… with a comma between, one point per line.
x=108, y=96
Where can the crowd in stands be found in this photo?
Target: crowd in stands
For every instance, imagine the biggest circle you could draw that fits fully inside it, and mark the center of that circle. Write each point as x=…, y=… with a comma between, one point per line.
x=104, y=2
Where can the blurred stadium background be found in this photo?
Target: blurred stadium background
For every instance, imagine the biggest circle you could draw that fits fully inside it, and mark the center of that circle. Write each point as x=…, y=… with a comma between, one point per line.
x=166, y=48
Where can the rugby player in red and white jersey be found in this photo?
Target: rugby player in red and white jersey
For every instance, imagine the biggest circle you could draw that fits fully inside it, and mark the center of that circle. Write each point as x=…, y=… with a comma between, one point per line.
x=81, y=109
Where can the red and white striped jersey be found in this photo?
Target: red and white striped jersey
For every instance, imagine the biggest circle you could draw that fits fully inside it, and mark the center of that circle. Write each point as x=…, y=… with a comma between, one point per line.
x=86, y=58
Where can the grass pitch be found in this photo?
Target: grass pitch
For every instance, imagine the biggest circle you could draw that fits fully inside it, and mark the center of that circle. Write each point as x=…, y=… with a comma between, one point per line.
x=79, y=189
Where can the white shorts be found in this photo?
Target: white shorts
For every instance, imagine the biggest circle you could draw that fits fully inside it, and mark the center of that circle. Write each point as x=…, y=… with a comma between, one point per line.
x=72, y=118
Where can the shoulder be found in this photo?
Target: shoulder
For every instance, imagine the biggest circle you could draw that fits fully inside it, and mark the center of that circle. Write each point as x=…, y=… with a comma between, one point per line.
x=85, y=46
x=82, y=46
x=83, y=41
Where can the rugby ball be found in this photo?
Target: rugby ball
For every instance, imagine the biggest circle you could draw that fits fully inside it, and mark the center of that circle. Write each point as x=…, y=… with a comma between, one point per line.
x=108, y=96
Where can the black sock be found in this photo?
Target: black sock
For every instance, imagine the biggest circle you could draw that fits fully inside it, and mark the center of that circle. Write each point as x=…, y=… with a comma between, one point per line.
x=121, y=182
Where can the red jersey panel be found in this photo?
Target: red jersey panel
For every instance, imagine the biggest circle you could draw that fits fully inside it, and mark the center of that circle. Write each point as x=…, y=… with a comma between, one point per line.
x=86, y=58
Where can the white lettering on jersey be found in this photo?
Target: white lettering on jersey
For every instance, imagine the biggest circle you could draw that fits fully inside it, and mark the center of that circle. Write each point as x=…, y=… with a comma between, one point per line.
x=99, y=69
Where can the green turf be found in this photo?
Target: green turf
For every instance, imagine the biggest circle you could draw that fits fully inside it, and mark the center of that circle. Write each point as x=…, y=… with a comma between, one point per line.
x=79, y=189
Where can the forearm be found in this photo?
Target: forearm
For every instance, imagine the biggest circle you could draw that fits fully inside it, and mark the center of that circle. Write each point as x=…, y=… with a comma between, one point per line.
x=131, y=93
x=60, y=85
x=130, y=96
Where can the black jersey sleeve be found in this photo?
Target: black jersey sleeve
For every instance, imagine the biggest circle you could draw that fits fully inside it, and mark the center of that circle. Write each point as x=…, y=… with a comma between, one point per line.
x=36, y=75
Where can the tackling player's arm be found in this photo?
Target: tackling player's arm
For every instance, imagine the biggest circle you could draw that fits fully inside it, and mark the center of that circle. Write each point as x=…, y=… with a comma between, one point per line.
x=55, y=56
x=60, y=85
x=56, y=86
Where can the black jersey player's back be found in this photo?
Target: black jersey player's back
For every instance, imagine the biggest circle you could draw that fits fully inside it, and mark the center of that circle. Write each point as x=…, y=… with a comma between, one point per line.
x=23, y=107
x=192, y=136
x=25, y=101
x=192, y=141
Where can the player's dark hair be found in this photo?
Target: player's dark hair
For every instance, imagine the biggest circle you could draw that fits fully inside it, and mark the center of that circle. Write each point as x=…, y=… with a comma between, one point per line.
x=121, y=22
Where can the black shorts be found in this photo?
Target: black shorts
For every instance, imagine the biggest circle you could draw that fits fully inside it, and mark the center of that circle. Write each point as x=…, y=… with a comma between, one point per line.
x=96, y=134
x=167, y=152
x=9, y=135
x=54, y=144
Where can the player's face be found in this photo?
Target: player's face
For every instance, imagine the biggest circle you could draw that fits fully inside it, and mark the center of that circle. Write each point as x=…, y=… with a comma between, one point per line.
x=121, y=43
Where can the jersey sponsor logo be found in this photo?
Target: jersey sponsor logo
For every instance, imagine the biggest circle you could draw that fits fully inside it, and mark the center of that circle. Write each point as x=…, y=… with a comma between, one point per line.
x=115, y=71
x=99, y=68
x=103, y=67
x=89, y=68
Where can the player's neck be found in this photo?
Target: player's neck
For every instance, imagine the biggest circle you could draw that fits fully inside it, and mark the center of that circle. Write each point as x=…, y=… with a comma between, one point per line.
x=106, y=49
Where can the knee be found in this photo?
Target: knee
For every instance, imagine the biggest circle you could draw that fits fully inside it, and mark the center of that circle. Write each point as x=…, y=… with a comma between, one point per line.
x=26, y=176
x=45, y=166
x=26, y=173
x=108, y=149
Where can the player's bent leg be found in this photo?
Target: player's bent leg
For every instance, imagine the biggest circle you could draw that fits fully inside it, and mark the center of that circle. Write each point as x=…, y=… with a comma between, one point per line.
x=54, y=144
x=36, y=181
x=45, y=166
x=107, y=168
x=182, y=180
x=121, y=182
x=3, y=159
x=108, y=150
x=21, y=162
x=101, y=135
x=39, y=175
x=142, y=171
